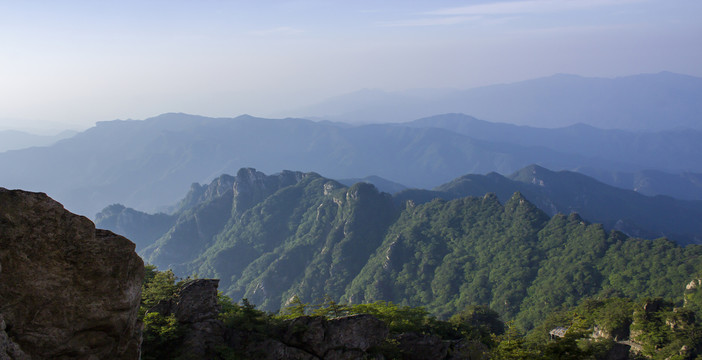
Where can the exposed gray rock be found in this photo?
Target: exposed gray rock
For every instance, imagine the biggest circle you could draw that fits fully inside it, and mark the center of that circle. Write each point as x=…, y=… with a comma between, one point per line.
x=196, y=309
x=251, y=186
x=314, y=338
x=67, y=290
x=271, y=349
x=617, y=334
x=319, y=336
x=197, y=301
x=415, y=346
x=9, y=350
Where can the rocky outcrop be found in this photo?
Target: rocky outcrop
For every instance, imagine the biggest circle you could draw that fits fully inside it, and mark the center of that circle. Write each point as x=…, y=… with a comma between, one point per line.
x=312, y=337
x=202, y=193
x=350, y=337
x=617, y=334
x=67, y=290
x=342, y=335
x=8, y=348
x=199, y=218
x=422, y=346
x=693, y=296
x=196, y=310
x=251, y=186
x=204, y=336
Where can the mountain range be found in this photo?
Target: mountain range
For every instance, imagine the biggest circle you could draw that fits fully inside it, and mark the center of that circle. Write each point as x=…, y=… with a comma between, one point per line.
x=671, y=150
x=270, y=238
x=148, y=164
x=13, y=139
x=684, y=185
x=662, y=101
x=567, y=192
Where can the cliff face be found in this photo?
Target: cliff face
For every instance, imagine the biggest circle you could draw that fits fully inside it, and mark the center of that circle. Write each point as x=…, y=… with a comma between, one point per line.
x=203, y=334
x=67, y=290
x=196, y=310
x=310, y=338
x=198, y=218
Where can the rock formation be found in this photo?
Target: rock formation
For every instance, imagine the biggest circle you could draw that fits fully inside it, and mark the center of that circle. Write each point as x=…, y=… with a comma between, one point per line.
x=8, y=348
x=251, y=186
x=196, y=310
x=422, y=346
x=313, y=337
x=67, y=290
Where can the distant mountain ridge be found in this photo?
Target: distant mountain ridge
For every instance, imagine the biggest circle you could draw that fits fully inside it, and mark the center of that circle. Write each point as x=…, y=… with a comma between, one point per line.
x=671, y=150
x=381, y=184
x=566, y=192
x=685, y=185
x=271, y=237
x=662, y=101
x=148, y=164
x=553, y=192
x=13, y=140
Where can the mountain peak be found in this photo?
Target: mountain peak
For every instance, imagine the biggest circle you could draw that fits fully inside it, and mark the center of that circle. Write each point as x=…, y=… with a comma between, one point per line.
x=490, y=197
x=533, y=174
x=575, y=217
x=251, y=186
x=518, y=203
x=518, y=197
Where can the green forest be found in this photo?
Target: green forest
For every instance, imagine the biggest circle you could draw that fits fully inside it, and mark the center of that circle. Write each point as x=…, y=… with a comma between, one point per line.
x=293, y=235
x=597, y=328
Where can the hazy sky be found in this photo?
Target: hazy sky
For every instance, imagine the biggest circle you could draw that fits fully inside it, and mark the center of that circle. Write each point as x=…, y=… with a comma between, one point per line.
x=77, y=62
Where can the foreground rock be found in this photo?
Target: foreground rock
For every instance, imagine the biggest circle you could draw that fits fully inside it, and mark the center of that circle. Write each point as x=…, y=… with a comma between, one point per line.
x=67, y=290
x=193, y=325
x=312, y=337
x=196, y=310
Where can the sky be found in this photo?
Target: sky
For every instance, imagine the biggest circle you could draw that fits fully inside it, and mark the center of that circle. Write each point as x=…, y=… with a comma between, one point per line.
x=68, y=64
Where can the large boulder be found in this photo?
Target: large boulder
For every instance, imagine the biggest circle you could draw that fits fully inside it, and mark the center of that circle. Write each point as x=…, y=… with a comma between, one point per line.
x=314, y=337
x=414, y=346
x=319, y=336
x=196, y=309
x=67, y=290
x=8, y=348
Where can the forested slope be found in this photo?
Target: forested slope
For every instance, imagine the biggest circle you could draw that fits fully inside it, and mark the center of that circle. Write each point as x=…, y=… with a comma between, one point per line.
x=271, y=238
x=451, y=254
x=566, y=192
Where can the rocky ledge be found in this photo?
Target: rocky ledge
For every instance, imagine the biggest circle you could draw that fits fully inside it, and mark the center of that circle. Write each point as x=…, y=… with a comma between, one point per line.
x=67, y=290
x=203, y=335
